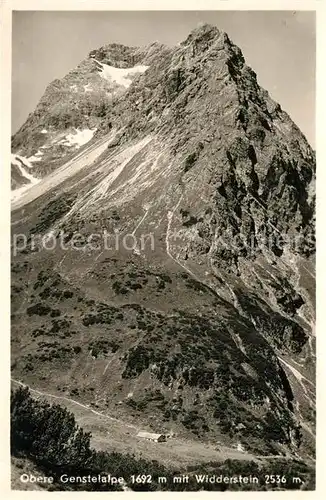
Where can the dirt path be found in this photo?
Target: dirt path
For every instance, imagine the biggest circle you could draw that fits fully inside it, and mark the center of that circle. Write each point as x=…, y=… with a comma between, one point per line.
x=41, y=393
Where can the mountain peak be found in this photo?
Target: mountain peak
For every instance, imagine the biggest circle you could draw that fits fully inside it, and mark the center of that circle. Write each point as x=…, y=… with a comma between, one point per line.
x=114, y=54
x=204, y=32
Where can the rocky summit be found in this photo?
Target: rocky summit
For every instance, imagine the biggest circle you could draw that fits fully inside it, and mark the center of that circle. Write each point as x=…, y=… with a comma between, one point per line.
x=198, y=318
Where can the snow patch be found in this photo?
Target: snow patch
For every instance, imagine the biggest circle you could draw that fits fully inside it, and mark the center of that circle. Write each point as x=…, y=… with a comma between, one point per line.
x=19, y=160
x=69, y=169
x=24, y=166
x=44, y=131
x=88, y=88
x=15, y=161
x=120, y=75
x=79, y=138
x=36, y=157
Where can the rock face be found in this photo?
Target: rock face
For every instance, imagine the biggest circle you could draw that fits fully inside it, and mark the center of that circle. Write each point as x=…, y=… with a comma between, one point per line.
x=207, y=316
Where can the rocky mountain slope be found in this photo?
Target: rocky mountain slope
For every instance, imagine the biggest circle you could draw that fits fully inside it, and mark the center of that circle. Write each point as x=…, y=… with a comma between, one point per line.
x=198, y=316
x=72, y=109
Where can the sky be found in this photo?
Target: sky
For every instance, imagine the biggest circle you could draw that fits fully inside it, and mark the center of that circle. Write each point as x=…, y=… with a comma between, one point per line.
x=278, y=45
